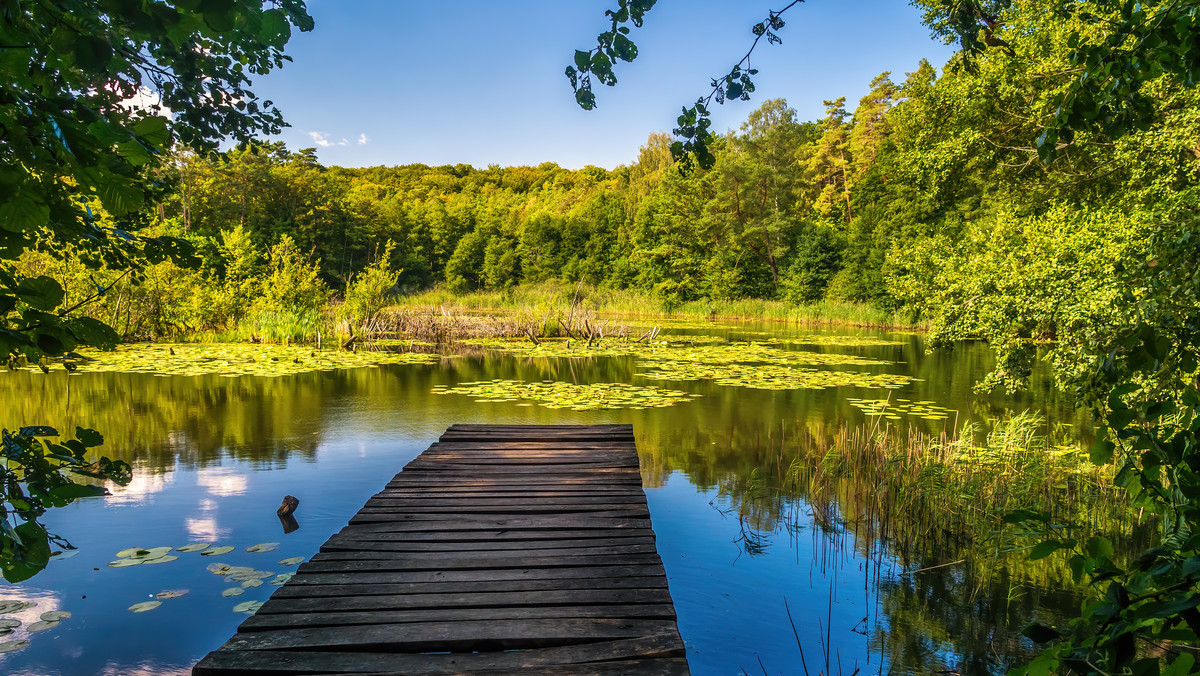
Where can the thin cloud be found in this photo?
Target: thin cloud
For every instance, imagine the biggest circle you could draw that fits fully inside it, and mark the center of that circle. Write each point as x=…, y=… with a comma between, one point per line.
x=321, y=139
x=363, y=140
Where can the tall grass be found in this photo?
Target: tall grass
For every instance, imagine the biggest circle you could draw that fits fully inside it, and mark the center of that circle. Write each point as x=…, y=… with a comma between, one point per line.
x=631, y=303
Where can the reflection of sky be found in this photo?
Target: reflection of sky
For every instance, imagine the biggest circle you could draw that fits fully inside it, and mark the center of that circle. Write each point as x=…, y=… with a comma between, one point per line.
x=145, y=484
x=46, y=601
x=221, y=482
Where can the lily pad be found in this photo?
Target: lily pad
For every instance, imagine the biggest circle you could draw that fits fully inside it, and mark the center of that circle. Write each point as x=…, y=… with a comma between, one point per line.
x=124, y=563
x=262, y=547
x=11, y=646
x=144, y=606
x=217, y=551
x=7, y=623
x=161, y=559
x=282, y=579
x=55, y=615
x=218, y=568
x=15, y=606
x=233, y=591
x=560, y=395
x=291, y=561
x=248, y=607
x=194, y=547
x=64, y=554
x=251, y=583
x=41, y=626
x=170, y=594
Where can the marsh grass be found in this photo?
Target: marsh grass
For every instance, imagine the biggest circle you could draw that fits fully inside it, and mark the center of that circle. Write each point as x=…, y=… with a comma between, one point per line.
x=634, y=304
x=924, y=499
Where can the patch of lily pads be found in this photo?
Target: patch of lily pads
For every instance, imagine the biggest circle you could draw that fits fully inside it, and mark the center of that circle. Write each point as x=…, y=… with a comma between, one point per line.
x=554, y=394
x=572, y=348
x=835, y=340
x=232, y=359
x=771, y=376
x=894, y=409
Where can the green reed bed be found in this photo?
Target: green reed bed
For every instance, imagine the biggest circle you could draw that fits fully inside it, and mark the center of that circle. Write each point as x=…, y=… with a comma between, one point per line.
x=551, y=297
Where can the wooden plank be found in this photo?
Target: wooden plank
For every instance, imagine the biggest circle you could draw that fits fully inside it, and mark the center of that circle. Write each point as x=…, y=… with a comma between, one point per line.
x=463, y=636
x=374, y=533
x=418, y=562
x=339, y=542
x=442, y=587
x=645, y=611
x=573, y=597
x=405, y=577
x=281, y=662
x=501, y=549
x=482, y=558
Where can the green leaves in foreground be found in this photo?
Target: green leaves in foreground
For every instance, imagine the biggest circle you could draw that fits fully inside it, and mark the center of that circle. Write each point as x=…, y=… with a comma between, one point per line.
x=552, y=394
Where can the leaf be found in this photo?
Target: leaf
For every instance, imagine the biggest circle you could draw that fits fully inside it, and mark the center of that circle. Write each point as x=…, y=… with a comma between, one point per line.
x=22, y=213
x=55, y=615
x=291, y=561
x=93, y=332
x=1043, y=549
x=275, y=30
x=144, y=606
x=153, y=130
x=12, y=646
x=1099, y=548
x=262, y=547
x=1040, y=633
x=171, y=594
x=217, y=551
x=194, y=547
x=233, y=591
x=40, y=293
x=248, y=607
x=41, y=626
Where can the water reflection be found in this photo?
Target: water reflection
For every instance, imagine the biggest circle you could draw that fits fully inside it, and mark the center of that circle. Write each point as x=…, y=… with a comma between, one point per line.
x=214, y=455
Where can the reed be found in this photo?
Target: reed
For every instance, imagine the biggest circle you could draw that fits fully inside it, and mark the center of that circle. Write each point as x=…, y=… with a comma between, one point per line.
x=636, y=304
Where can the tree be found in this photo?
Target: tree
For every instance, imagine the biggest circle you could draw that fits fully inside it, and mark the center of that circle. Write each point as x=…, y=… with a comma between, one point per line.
x=92, y=96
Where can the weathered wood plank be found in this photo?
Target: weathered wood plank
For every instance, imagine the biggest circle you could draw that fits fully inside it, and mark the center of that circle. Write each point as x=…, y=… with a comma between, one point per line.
x=339, y=542
x=560, y=597
x=374, y=577
x=645, y=611
x=280, y=662
x=406, y=561
x=442, y=587
x=500, y=550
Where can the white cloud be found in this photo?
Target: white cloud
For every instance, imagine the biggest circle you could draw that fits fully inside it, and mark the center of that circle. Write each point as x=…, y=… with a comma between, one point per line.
x=363, y=140
x=320, y=138
x=343, y=142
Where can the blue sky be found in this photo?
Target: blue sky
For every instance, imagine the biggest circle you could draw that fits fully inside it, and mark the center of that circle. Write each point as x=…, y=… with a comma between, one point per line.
x=406, y=81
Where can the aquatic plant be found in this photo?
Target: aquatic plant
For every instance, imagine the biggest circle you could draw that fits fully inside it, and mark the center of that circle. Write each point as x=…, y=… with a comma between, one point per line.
x=556, y=394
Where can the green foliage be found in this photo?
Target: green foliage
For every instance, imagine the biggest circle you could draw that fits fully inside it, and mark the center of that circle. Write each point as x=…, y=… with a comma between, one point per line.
x=34, y=481
x=369, y=290
x=84, y=92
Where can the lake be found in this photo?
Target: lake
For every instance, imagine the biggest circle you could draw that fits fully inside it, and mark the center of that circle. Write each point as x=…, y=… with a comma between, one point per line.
x=213, y=456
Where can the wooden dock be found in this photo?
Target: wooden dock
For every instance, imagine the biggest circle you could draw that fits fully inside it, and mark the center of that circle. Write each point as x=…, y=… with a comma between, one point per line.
x=509, y=549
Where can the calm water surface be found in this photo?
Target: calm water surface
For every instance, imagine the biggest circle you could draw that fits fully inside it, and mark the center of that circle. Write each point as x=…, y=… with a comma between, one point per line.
x=213, y=456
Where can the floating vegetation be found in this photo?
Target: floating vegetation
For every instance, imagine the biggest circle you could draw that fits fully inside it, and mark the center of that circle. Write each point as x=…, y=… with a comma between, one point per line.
x=895, y=408
x=554, y=394
x=15, y=606
x=759, y=353
x=11, y=646
x=41, y=626
x=233, y=591
x=291, y=561
x=137, y=555
x=54, y=615
x=194, y=547
x=217, y=551
x=170, y=594
x=144, y=606
x=6, y=623
x=262, y=547
x=834, y=340
x=282, y=579
x=771, y=376
x=570, y=348
x=248, y=607
x=232, y=359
